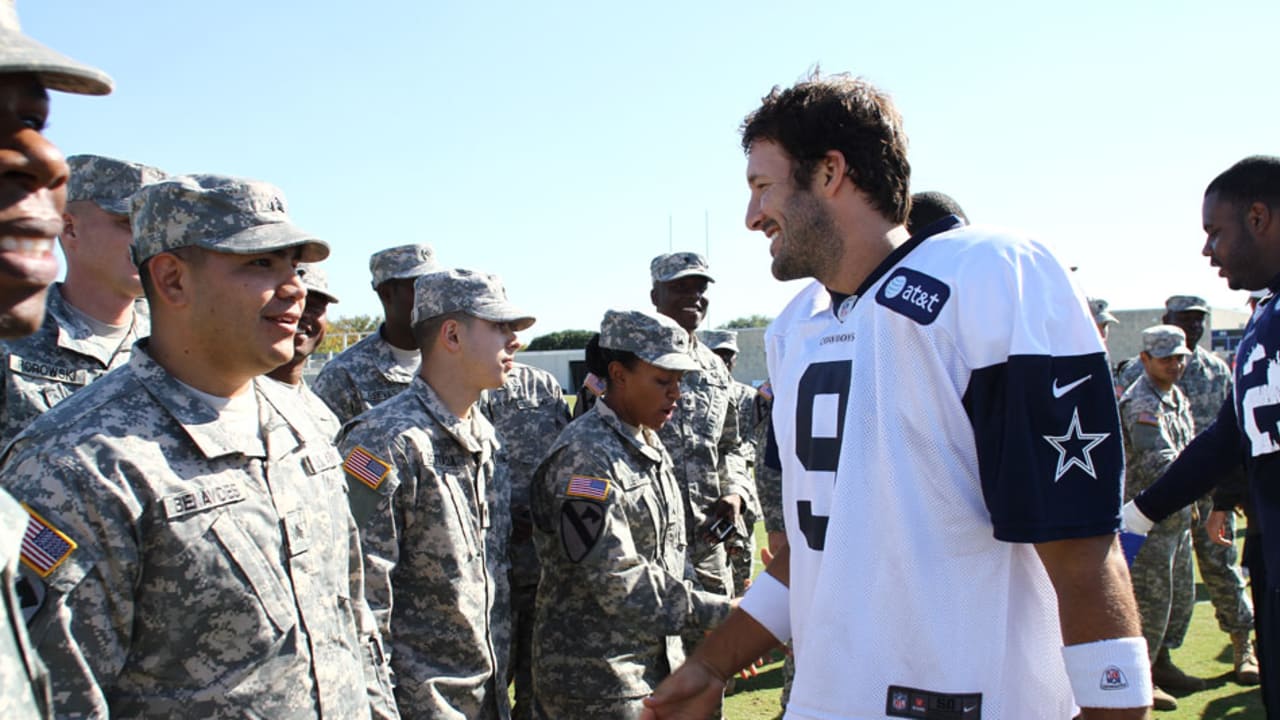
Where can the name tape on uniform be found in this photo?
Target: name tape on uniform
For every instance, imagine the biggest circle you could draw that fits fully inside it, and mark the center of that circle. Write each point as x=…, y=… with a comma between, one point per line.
x=176, y=506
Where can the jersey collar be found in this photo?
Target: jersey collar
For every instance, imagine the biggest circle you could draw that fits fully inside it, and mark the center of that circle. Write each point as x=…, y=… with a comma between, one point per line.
x=949, y=222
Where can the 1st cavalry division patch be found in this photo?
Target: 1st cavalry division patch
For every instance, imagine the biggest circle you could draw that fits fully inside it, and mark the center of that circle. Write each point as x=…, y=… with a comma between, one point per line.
x=365, y=467
x=44, y=547
x=581, y=523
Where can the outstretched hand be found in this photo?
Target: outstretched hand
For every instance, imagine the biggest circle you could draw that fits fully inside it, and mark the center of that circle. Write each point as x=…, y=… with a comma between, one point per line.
x=690, y=693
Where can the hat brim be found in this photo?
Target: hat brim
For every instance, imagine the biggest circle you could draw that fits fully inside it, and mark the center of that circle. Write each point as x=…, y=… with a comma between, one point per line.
x=504, y=313
x=1180, y=350
x=115, y=207
x=21, y=54
x=1107, y=318
x=689, y=272
x=331, y=298
x=671, y=361
x=269, y=237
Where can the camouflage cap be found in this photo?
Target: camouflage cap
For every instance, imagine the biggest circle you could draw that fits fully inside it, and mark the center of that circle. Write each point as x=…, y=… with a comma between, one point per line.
x=403, y=262
x=673, y=266
x=316, y=280
x=216, y=212
x=21, y=54
x=107, y=181
x=1160, y=341
x=1183, y=303
x=1101, y=316
x=719, y=339
x=656, y=339
x=477, y=294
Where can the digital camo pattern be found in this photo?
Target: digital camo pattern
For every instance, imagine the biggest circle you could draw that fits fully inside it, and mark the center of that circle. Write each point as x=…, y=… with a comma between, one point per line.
x=215, y=212
x=360, y=377
x=434, y=520
x=63, y=356
x=1157, y=426
x=402, y=262
x=528, y=412
x=214, y=575
x=107, y=181
x=474, y=293
x=751, y=411
x=316, y=280
x=24, y=682
x=673, y=266
x=616, y=588
x=1207, y=383
x=709, y=458
x=320, y=413
x=1161, y=341
x=656, y=339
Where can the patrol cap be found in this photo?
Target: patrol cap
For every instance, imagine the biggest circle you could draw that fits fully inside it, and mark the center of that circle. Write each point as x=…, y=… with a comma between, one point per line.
x=21, y=54
x=1161, y=341
x=216, y=212
x=402, y=262
x=1183, y=303
x=108, y=182
x=673, y=266
x=316, y=280
x=719, y=339
x=1101, y=316
x=477, y=294
x=656, y=339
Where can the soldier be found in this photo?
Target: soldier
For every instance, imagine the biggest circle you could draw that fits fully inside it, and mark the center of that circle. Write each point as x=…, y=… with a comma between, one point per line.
x=192, y=553
x=528, y=412
x=1207, y=382
x=96, y=314
x=32, y=172
x=1156, y=419
x=617, y=589
x=312, y=326
x=751, y=412
x=1103, y=318
x=434, y=505
x=709, y=457
x=385, y=362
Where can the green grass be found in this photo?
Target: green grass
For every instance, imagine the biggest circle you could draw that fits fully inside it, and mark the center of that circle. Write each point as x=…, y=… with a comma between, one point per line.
x=1206, y=653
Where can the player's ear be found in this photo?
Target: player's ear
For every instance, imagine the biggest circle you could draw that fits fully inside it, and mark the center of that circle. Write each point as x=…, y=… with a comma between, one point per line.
x=831, y=172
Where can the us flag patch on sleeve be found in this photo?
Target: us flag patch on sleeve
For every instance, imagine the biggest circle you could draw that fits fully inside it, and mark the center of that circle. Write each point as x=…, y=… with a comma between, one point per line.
x=587, y=487
x=44, y=547
x=365, y=467
x=1147, y=418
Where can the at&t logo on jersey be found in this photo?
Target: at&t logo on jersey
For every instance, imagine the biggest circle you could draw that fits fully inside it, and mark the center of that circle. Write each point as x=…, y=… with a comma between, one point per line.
x=914, y=294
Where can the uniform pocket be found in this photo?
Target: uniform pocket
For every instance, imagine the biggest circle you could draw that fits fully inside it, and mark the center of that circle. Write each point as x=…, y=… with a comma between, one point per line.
x=249, y=559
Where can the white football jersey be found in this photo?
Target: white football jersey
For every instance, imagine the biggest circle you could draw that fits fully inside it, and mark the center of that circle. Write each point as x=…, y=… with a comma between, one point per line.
x=931, y=428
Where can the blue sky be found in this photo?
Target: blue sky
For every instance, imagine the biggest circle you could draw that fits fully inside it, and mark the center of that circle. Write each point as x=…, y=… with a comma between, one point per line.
x=563, y=145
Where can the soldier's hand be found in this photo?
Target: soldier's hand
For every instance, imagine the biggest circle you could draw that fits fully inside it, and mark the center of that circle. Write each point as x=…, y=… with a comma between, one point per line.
x=728, y=506
x=1216, y=527
x=690, y=693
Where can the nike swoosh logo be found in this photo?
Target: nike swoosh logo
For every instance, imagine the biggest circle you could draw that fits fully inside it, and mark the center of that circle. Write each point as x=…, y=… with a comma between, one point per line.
x=1060, y=391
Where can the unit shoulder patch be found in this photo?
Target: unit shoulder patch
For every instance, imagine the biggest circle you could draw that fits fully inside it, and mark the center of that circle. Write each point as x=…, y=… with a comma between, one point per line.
x=581, y=524
x=366, y=467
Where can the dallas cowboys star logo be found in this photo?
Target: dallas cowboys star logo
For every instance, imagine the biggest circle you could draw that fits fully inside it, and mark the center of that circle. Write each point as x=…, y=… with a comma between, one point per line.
x=1074, y=447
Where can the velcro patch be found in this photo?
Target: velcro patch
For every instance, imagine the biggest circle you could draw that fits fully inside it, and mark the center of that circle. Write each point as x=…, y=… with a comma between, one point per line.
x=592, y=488
x=320, y=460
x=1147, y=418
x=205, y=498
x=44, y=547
x=366, y=467
x=914, y=294
x=581, y=523
x=48, y=371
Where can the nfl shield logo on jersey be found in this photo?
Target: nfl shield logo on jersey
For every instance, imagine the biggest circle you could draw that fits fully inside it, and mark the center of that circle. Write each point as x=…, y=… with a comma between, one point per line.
x=899, y=700
x=1113, y=679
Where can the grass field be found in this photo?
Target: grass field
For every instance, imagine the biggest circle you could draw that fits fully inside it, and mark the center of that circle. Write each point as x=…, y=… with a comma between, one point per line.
x=1206, y=653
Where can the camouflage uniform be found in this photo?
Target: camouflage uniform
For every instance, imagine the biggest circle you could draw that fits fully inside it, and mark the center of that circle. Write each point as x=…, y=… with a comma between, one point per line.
x=361, y=377
x=617, y=589
x=434, y=519
x=1157, y=426
x=528, y=412
x=63, y=356
x=1207, y=383
x=190, y=571
x=367, y=373
x=315, y=407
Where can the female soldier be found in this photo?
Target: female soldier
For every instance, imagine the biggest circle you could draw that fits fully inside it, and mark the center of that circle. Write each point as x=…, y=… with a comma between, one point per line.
x=616, y=587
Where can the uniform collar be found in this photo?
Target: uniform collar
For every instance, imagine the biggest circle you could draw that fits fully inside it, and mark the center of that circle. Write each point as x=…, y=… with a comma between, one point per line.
x=474, y=433
x=627, y=433
x=949, y=222
x=75, y=335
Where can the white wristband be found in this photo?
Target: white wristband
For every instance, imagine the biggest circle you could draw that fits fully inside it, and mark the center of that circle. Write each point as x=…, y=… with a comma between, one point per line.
x=769, y=602
x=1132, y=520
x=1110, y=673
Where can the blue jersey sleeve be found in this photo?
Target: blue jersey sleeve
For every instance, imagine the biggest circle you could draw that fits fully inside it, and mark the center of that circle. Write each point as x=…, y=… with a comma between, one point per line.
x=1050, y=451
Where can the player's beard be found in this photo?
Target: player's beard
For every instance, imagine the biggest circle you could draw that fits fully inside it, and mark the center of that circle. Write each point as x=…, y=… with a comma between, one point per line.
x=809, y=245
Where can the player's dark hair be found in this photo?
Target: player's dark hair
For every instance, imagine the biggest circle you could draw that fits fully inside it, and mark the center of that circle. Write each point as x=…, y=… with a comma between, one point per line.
x=1253, y=179
x=930, y=207
x=598, y=358
x=846, y=114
